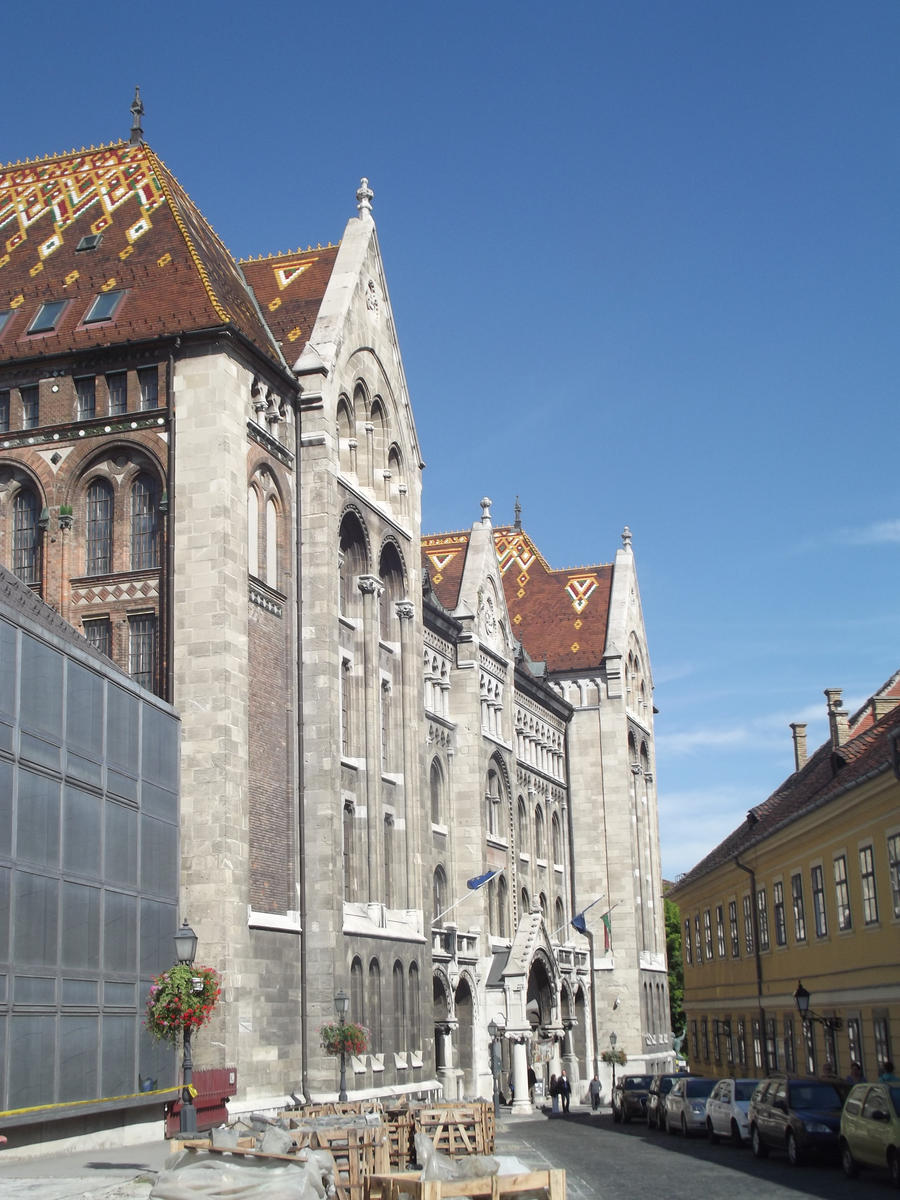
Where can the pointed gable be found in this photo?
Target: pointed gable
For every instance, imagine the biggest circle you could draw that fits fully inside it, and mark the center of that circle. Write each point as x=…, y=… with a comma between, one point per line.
x=150, y=242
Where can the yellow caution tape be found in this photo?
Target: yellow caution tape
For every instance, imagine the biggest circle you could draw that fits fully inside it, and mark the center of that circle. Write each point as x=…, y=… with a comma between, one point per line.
x=18, y=1112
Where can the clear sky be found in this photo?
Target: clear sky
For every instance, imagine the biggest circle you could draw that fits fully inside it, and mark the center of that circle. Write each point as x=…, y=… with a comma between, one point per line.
x=644, y=263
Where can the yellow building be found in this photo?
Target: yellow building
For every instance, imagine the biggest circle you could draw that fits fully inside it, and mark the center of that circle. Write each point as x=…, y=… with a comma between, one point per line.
x=806, y=890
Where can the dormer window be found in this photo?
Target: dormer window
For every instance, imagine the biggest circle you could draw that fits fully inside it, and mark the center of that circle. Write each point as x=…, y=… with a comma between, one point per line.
x=47, y=316
x=104, y=307
x=4, y=319
x=90, y=241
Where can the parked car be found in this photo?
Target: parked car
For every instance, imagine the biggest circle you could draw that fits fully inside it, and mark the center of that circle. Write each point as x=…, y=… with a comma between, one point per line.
x=686, y=1104
x=870, y=1129
x=629, y=1098
x=726, y=1110
x=800, y=1116
x=660, y=1087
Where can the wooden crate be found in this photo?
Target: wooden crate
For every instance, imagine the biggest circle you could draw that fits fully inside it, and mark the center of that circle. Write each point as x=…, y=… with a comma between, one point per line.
x=410, y=1187
x=458, y=1128
x=358, y=1153
x=337, y=1108
x=400, y=1125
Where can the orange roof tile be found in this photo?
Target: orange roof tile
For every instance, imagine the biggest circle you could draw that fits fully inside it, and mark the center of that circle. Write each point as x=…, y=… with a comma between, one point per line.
x=290, y=288
x=560, y=616
x=155, y=246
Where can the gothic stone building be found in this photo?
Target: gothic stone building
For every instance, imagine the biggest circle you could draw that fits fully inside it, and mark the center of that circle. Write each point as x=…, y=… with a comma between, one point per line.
x=211, y=469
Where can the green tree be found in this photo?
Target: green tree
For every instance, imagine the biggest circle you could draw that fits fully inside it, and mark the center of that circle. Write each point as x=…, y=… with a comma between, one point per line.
x=676, y=966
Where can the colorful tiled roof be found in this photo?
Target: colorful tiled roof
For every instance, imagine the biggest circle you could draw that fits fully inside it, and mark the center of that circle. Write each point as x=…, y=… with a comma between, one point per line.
x=825, y=776
x=560, y=616
x=289, y=288
x=154, y=245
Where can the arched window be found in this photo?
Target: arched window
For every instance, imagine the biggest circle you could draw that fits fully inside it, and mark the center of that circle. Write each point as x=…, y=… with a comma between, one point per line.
x=373, y=1007
x=253, y=531
x=542, y=900
x=502, y=907
x=378, y=422
x=395, y=467
x=344, y=433
x=348, y=849
x=526, y=902
x=523, y=825
x=357, y=998
x=144, y=532
x=26, y=537
x=390, y=570
x=99, y=527
x=439, y=895
x=559, y=917
x=494, y=804
x=539, y=848
x=437, y=793
x=415, y=1008
x=399, y=990
x=271, y=543
x=353, y=561
x=557, y=838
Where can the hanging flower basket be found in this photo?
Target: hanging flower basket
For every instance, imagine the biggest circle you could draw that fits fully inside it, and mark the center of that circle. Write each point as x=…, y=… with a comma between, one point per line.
x=619, y=1057
x=181, y=999
x=346, y=1037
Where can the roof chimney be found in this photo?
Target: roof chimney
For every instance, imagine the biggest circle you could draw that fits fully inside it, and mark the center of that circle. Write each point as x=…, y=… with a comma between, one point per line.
x=798, y=728
x=838, y=719
x=882, y=705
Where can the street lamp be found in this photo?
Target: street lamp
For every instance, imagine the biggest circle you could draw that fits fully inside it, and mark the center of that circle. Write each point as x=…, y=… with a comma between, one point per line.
x=494, y=1031
x=186, y=952
x=342, y=1007
x=612, y=1045
x=801, y=999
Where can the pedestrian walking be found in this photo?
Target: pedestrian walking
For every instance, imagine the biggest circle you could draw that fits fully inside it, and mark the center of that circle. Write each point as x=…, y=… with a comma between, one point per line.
x=532, y=1080
x=595, y=1093
x=564, y=1090
x=887, y=1072
x=554, y=1093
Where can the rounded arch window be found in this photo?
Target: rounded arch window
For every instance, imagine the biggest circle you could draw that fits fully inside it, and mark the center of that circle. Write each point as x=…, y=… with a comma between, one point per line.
x=252, y=530
x=99, y=527
x=271, y=543
x=353, y=561
x=144, y=523
x=399, y=1006
x=373, y=1005
x=502, y=907
x=27, y=536
x=415, y=1007
x=559, y=918
x=439, y=895
x=493, y=803
x=345, y=432
x=556, y=834
x=357, y=993
x=390, y=570
x=523, y=825
x=539, y=847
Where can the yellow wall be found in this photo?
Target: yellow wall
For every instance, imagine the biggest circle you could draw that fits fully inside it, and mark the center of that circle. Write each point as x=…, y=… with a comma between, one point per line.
x=853, y=974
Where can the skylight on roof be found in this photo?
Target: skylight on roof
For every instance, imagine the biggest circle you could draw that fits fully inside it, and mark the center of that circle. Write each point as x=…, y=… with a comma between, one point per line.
x=47, y=316
x=90, y=241
x=105, y=304
x=4, y=319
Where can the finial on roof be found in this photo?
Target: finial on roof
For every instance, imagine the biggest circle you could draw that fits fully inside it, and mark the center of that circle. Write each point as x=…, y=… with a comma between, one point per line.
x=626, y=538
x=137, y=111
x=518, y=514
x=486, y=510
x=364, y=197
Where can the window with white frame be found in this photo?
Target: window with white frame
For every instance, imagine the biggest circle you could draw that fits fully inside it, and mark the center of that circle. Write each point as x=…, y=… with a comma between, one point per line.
x=762, y=912
x=733, y=929
x=720, y=930
x=797, y=906
x=778, y=911
x=867, y=883
x=842, y=892
x=818, y=895
x=893, y=848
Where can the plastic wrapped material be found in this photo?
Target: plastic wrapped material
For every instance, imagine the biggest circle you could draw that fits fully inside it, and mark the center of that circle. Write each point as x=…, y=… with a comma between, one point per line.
x=275, y=1141
x=224, y=1138
x=441, y=1166
x=198, y=1175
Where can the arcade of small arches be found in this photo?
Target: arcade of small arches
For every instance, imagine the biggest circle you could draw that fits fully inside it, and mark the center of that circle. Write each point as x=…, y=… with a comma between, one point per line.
x=390, y=1011
x=369, y=451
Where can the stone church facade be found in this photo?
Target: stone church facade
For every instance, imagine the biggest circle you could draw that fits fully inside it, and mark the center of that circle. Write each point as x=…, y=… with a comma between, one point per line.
x=210, y=468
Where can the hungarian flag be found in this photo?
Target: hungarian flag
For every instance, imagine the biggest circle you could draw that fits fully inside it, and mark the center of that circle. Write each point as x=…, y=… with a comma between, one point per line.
x=607, y=931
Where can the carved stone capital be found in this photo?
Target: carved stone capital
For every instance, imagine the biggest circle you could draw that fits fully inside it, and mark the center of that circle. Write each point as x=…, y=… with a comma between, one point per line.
x=405, y=610
x=370, y=585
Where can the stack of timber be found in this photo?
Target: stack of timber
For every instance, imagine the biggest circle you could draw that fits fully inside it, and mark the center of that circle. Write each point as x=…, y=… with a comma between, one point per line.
x=552, y=1184
x=458, y=1128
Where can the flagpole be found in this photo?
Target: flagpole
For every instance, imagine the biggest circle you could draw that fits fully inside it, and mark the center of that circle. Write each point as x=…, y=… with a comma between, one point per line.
x=602, y=896
x=471, y=892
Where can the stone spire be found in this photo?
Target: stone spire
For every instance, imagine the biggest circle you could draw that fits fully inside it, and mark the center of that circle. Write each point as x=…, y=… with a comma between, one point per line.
x=364, y=197
x=518, y=514
x=137, y=111
x=626, y=538
x=486, y=511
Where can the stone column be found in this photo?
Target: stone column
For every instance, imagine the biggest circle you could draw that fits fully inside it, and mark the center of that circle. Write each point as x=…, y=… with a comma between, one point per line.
x=409, y=695
x=521, y=1099
x=570, y=1058
x=371, y=588
x=446, y=1072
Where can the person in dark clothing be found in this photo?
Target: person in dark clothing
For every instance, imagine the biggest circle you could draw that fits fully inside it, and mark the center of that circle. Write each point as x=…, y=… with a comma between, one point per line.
x=565, y=1090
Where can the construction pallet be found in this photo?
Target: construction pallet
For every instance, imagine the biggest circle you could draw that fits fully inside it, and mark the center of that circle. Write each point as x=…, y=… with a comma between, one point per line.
x=357, y=1153
x=400, y=1187
x=458, y=1128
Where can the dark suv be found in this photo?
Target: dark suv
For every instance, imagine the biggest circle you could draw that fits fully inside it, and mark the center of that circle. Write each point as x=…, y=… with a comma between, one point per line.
x=800, y=1116
x=660, y=1087
x=629, y=1098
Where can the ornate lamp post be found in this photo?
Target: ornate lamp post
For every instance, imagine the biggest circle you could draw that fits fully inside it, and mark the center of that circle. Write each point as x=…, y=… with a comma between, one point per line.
x=186, y=952
x=801, y=999
x=494, y=1031
x=341, y=1008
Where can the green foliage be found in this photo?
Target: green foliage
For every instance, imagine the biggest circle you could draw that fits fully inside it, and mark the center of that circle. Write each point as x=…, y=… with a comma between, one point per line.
x=676, y=966
x=181, y=998
x=346, y=1036
x=619, y=1057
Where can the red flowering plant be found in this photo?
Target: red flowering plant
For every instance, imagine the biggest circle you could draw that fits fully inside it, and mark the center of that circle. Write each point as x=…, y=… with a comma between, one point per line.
x=344, y=1036
x=182, y=998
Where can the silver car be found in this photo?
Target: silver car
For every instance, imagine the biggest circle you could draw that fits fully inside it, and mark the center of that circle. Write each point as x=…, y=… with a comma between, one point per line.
x=686, y=1105
x=726, y=1110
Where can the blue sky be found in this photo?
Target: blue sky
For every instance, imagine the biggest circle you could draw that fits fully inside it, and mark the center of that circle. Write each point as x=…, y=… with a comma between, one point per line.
x=644, y=263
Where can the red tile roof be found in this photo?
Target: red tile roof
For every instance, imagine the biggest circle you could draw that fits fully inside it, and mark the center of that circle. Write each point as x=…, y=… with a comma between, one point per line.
x=155, y=246
x=560, y=616
x=289, y=288
x=824, y=777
